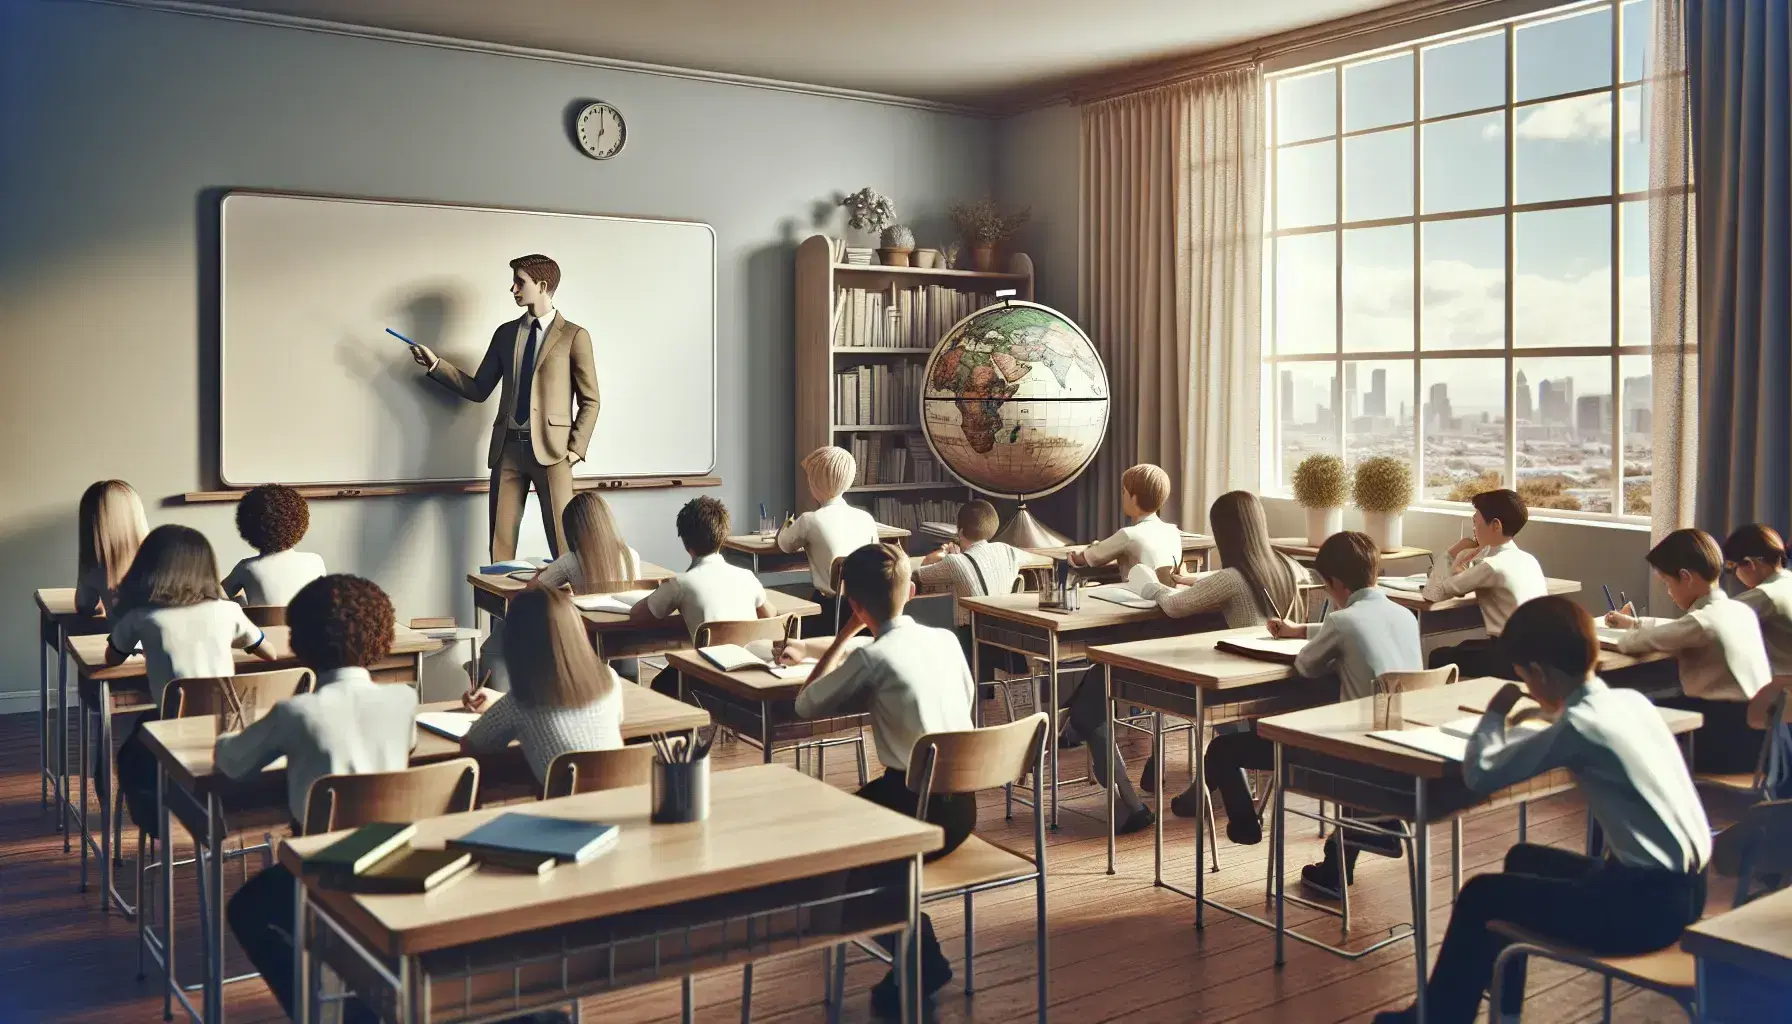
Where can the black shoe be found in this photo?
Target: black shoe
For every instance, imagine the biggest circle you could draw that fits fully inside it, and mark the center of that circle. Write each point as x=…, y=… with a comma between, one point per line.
x=1322, y=878
x=1068, y=739
x=1148, y=777
x=886, y=996
x=1187, y=804
x=1406, y=1016
x=1137, y=821
x=1244, y=830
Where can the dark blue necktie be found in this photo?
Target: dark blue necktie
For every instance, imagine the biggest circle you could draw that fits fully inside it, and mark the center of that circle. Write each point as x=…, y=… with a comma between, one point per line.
x=525, y=377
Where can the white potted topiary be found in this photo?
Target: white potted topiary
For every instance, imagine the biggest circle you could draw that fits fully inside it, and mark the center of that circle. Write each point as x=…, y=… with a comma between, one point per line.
x=1383, y=489
x=1319, y=487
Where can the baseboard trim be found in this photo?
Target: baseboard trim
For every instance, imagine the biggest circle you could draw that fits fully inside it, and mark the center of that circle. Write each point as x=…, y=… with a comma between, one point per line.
x=22, y=702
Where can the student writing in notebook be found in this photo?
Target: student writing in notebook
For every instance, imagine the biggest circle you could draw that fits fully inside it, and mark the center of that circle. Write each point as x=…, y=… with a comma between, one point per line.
x=1491, y=566
x=1716, y=645
x=1149, y=541
x=710, y=590
x=1648, y=887
x=562, y=698
x=111, y=527
x=913, y=680
x=835, y=527
x=170, y=606
x=1757, y=556
x=273, y=518
x=349, y=725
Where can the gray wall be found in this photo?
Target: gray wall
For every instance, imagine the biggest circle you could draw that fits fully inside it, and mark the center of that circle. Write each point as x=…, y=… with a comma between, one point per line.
x=118, y=127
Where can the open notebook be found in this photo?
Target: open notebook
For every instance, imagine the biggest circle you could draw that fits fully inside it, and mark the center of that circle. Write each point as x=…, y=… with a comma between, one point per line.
x=1450, y=740
x=452, y=724
x=1404, y=584
x=1130, y=592
x=735, y=658
x=1264, y=648
x=622, y=601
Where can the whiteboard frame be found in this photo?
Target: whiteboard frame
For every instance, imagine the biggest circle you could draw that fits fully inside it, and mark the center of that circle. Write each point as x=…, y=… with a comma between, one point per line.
x=435, y=483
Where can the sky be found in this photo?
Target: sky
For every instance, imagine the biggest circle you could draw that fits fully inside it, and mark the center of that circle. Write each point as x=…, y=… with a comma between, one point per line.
x=1562, y=258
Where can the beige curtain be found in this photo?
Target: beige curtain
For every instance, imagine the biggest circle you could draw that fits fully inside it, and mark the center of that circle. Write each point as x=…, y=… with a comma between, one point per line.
x=1170, y=287
x=1673, y=277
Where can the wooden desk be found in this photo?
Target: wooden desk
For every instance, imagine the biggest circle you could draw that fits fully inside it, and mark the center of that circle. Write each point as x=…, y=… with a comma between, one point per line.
x=1327, y=753
x=1744, y=961
x=106, y=690
x=759, y=552
x=1457, y=613
x=762, y=876
x=1195, y=547
x=1189, y=676
x=57, y=620
x=761, y=708
x=492, y=593
x=1298, y=549
x=195, y=793
x=1015, y=622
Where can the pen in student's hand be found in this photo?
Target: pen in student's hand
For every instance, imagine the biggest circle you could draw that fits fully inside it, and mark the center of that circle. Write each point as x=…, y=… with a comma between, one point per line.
x=1324, y=606
x=1608, y=597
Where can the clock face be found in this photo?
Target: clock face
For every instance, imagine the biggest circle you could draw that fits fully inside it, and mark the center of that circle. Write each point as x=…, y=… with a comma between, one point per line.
x=601, y=131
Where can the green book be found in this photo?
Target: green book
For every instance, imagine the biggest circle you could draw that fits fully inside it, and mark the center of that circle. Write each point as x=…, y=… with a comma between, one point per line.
x=407, y=871
x=517, y=860
x=360, y=849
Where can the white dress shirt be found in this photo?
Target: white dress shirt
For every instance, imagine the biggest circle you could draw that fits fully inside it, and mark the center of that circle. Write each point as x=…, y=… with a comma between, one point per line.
x=711, y=590
x=1772, y=604
x=191, y=641
x=1626, y=763
x=567, y=570
x=274, y=578
x=546, y=733
x=349, y=725
x=913, y=680
x=1716, y=644
x=1149, y=542
x=1501, y=578
x=834, y=530
x=1368, y=636
x=966, y=572
x=516, y=356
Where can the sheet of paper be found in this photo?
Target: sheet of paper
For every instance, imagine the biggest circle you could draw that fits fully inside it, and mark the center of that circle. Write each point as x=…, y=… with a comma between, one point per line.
x=1119, y=595
x=623, y=601
x=1407, y=584
x=1430, y=739
x=1609, y=636
x=452, y=724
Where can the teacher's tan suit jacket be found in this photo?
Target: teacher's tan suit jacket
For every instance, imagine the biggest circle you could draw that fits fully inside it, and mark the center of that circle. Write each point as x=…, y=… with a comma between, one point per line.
x=564, y=367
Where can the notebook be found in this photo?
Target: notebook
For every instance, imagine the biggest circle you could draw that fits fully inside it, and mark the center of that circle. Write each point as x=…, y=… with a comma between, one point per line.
x=1114, y=593
x=1264, y=648
x=1404, y=584
x=1430, y=739
x=511, y=565
x=622, y=601
x=732, y=657
x=1609, y=636
x=360, y=849
x=407, y=871
x=1463, y=728
x=517, y=861
x=565, y=839
x=453, y=724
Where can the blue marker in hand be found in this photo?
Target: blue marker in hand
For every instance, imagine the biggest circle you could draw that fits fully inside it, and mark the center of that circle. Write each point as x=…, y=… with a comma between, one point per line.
x=401, y=337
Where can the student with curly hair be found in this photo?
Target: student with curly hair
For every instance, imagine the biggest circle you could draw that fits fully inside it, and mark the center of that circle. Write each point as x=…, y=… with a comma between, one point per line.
x=273, y=518
x=348, y=725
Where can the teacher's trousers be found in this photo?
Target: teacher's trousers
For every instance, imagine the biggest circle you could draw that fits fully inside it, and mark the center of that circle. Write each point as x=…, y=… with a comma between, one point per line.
x=511, y=477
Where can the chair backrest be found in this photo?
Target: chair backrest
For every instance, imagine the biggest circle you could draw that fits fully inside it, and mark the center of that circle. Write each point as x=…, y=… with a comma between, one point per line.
x=1423, y=679
x=196, y=698
x=1770, y=703
x=975, y=759
x=1759, y=845
x=933, y=609
x=834, y=574
x=265, y=615
x=588, y=771
x=744, y=631
x=427, y=791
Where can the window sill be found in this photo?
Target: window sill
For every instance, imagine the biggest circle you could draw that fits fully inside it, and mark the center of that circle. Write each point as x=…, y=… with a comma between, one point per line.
x=1554, y=517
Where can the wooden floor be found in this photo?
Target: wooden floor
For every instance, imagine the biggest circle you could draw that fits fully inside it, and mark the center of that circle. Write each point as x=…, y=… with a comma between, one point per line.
x=1121, y=948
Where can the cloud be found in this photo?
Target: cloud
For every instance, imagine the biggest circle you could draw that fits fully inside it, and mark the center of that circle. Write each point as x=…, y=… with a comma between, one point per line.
x=1576, y=119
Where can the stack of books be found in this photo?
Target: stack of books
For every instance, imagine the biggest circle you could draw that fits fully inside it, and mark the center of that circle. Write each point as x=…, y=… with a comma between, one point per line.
x=909, y=515
x=380, y=859
x=889, y=459
x=911, y=318
x=879, y=395
x=535, y=844
x=858, y=257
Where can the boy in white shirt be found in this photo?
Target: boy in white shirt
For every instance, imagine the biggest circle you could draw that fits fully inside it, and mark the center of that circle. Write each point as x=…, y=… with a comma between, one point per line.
x=1149, y=541
x=1648, y=887
x=710, y=590
x=913, y=680
x=272, y=518
x=1490, y=566
x=1716, y=645
x=1757, y=555
x=971, y=566
x=835, y=528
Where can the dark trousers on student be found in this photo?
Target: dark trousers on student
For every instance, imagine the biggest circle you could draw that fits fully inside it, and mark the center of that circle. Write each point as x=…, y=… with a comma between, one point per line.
x=956, y=813
x=1228, y=756
x=136, y=776
x=1089, y=717
x=1597, y=905
x=1724, y=745
x=1475, y=658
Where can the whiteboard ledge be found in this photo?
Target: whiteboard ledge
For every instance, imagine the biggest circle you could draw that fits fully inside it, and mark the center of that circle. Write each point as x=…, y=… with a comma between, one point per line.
x=624, y=483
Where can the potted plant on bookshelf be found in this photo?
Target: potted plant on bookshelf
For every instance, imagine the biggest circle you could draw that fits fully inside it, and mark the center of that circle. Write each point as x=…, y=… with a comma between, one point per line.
x=870, y=210
x=1319, y=488
x=983, y=227
x=898, y=244
x=1383, y=489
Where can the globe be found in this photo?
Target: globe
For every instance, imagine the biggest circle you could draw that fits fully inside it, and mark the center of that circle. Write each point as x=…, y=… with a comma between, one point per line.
x=1016, y=400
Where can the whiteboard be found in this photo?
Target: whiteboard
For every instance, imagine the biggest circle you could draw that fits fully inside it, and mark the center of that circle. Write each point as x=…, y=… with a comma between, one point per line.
x=314, y=391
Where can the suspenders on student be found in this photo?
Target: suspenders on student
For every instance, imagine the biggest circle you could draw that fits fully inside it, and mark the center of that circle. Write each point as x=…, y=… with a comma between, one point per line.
x=982, y=584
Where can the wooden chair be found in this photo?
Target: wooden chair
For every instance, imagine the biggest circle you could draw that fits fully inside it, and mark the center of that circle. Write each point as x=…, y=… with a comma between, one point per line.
x=1761, y=849
x=834, y=586
x=1768, y=708
x=589, y=771
x=265, y=615
x=966, y=762
x=426, y=791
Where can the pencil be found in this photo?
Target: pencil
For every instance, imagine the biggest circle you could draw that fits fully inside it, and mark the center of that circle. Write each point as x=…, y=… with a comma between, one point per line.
x=1608, y=597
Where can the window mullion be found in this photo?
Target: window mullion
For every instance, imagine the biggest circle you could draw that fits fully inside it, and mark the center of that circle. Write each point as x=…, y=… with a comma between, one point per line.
x=1616, y=421
x=1511, y=470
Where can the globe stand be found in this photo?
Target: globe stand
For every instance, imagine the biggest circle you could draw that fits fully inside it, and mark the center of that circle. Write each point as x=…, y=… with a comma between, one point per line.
x=1027, y=533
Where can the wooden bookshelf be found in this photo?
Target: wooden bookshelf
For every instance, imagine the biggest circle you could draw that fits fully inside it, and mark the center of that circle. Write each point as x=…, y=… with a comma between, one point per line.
x=819, y=281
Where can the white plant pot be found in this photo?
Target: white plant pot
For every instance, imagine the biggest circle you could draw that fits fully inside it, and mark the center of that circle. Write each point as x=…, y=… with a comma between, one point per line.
x=1322, y=523
x=1386, y=529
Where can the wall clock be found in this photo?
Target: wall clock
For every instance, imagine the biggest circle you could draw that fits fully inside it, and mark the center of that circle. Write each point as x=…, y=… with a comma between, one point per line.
x=601, y=131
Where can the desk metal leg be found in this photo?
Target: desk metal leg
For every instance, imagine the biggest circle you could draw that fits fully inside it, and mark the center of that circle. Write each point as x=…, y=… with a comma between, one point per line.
x=86, y=758
x=1157, y=780
x=105, y=793
x=688, y=1014
x=1198, y=729
x=1421, y=893
x=214, y=922
x=1276, y=842
x=1107, y=705
x=43, y=716
x=1052, y=679
x=62, y=731
x=166, y=893
x=976, y=676
x=1455, y=857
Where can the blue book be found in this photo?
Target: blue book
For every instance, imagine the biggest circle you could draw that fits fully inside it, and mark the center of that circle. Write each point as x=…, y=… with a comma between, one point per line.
x=513, y=565
x=566, y=840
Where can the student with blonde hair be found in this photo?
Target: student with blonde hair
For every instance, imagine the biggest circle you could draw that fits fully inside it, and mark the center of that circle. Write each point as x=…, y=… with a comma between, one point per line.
x=835, y=528
x=273, y=518
x=597, y=552
x=111, y=528
x=562, y=698
x=1149, y=541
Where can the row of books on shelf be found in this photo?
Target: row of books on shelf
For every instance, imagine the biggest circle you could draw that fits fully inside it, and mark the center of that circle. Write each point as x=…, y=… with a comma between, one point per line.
x=909, y=515
x=912, y=318
x=879, y=395
x=892, y=459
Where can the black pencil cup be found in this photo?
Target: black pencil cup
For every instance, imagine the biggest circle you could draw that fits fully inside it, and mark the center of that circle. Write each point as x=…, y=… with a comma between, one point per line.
x=680, y=791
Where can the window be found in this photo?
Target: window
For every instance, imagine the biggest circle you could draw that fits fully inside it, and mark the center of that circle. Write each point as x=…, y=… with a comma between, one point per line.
x=1456, y=268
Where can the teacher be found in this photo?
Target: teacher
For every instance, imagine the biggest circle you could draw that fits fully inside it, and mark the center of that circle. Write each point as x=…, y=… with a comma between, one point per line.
x=544, y=362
